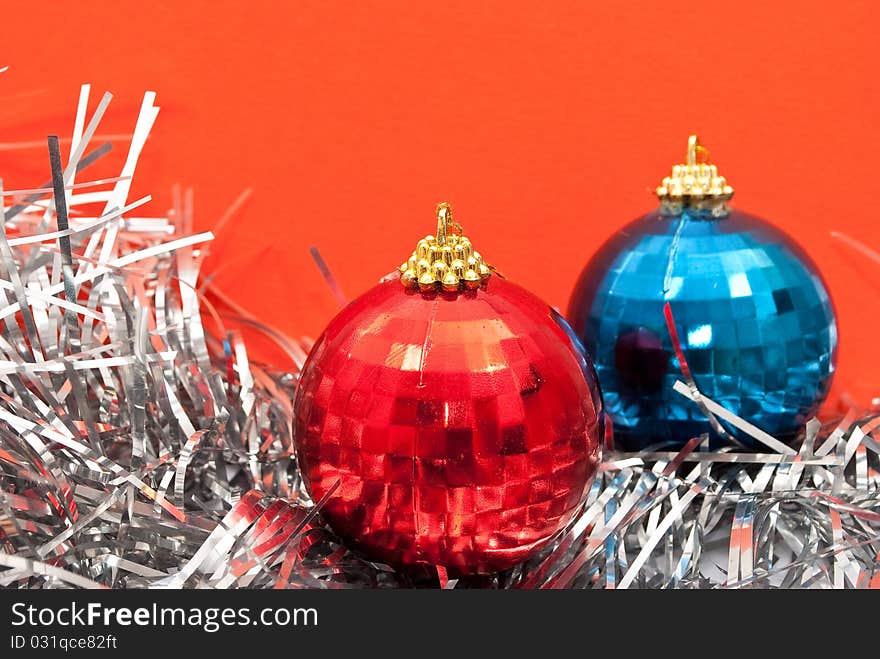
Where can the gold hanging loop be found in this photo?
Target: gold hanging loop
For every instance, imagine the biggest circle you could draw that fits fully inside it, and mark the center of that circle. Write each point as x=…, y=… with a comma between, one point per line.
x=444, y=218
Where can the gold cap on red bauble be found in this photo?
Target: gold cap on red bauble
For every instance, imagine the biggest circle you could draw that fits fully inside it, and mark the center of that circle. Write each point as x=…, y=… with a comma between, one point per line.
x=446, y=261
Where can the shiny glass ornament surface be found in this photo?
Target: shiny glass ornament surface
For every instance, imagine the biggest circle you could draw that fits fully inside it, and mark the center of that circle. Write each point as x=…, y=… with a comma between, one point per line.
x=463, y=428
x=754, y=318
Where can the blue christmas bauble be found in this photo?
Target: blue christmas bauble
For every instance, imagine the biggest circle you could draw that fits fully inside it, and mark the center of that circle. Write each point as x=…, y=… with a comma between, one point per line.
x=753, y=316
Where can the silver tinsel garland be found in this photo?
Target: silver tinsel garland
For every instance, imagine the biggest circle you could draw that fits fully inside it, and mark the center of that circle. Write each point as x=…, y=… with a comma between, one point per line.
x=140, y=450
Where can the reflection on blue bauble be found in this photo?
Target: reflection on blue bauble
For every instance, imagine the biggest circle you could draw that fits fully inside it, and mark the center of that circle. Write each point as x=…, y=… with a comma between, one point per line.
x=754, y=318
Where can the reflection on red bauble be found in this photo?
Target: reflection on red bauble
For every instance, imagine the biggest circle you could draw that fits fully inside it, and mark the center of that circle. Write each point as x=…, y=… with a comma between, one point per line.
x=463, y=427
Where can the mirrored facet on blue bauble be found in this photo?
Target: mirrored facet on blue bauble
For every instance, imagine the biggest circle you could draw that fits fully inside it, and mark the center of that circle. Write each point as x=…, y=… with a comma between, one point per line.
x=753, y=315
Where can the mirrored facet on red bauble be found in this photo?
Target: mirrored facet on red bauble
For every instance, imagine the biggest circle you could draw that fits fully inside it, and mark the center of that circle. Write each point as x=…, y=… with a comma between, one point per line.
x=463, y=428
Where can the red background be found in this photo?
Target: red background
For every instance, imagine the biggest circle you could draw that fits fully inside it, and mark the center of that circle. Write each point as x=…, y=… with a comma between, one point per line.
x=545, y=124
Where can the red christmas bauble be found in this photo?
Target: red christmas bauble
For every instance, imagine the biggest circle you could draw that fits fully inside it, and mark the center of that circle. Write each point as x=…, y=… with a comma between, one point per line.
x=463, y=428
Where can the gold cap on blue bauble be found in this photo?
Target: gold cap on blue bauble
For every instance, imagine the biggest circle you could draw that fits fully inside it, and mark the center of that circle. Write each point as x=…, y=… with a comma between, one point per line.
x=694, y=184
